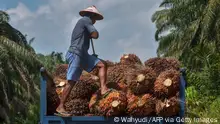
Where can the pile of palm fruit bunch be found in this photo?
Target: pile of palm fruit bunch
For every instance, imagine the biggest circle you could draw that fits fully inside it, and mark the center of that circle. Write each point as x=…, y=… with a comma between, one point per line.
x=78, y=99
x=137, y=89
x=166, y=87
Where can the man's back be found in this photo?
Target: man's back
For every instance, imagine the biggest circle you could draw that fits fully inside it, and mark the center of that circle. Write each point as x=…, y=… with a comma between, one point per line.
x=81, y=36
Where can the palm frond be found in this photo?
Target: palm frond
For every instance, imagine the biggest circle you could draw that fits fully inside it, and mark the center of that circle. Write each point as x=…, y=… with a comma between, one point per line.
x=13, y=34
x=4, y=17
x=20, y=52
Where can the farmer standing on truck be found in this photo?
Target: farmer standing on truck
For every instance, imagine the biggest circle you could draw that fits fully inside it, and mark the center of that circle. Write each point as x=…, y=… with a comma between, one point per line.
x=78, y=57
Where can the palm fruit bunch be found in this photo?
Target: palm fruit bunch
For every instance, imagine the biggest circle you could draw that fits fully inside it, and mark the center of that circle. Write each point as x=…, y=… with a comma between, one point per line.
x=128, y=59
x=167, y=83
x=114, y=104
x=166, y=89
x=116, y=77
x=77, y=106
x=77, y=102
x=95, y=71
x=168, y=107
x=53, y=100
x=141, y=81
x=82, y=89
x=61, y=71
x=118, y=73
x=109, y=63
x=162, y=64
x=143, y=105
x=60, y=78
x=60, y=84
x=89, y=78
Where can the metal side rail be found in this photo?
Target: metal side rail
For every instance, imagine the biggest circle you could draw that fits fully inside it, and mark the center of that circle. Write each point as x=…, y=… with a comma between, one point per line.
x=45, y=119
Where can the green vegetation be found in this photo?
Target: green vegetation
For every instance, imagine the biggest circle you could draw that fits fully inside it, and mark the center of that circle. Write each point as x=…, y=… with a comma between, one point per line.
x=19, y=75
x=189, y=31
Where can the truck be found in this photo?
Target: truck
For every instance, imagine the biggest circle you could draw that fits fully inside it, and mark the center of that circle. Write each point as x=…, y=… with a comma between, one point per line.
x=52, y=119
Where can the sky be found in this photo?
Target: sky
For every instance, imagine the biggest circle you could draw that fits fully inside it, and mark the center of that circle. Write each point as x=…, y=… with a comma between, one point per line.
x=126, y=28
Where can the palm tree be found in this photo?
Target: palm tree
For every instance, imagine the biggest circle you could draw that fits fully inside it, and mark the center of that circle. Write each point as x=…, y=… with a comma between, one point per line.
x=189, y=31
x=52, y=60
x=19, y=71
x=182, y=25
x=8, y=31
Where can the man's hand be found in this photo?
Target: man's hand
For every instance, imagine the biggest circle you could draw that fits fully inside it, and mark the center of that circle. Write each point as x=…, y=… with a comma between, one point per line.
x=95, y=35
x=95, y=55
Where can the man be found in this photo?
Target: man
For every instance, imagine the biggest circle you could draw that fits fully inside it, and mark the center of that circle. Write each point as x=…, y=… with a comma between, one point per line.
x=78, y=57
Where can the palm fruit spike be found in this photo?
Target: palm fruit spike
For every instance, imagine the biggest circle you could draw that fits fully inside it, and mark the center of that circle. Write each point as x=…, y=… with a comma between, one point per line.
x=61, y=71
x=141, y=81
x=162, y=64
x=78, y=107
x=112, y=105
x=128, y=59
x=168, y=107
x=140, y=105
x=167, y=84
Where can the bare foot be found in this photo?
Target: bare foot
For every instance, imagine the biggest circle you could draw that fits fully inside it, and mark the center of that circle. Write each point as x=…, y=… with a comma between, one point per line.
x=60, y=108
x=104, y=90
x=61, y=111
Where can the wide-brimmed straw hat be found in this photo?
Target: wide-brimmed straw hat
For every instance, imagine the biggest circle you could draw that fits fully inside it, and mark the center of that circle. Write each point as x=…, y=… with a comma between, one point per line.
x=92, y=9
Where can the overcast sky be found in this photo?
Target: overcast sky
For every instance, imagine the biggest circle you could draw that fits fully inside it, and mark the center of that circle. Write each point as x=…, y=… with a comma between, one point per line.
x=126, y=28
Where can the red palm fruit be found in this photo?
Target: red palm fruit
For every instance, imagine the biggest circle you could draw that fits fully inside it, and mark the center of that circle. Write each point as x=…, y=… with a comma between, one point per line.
x=167, y=83
x=141, y=81
x=168, y=107
x=128, y=59
x=140, y=105
x=112, y=105
x=162, y=64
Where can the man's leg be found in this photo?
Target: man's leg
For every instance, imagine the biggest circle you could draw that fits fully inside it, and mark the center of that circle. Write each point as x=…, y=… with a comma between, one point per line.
x=73, y=74
x=103, y=76
x=66, y=91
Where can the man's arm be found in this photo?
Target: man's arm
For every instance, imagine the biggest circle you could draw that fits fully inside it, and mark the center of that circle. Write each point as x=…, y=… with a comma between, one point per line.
x=95, y=35
x=91, y=29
